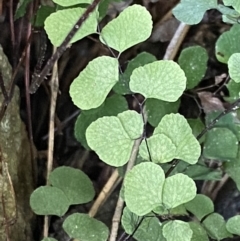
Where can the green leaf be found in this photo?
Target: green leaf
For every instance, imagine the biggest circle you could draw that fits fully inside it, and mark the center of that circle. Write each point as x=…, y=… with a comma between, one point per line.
x=49, y=239
x=115, y=32
x=229, y=15
x=234, y=90
x=122, y=86
x=177, y=231
x=91, y=87
x=163, y=80
x=103, y=8
x=150, y=228
x=234, y=66
x=68, y=17
x=74, y=183
x=184, y=10
x=197, y=127
x=193, y=61
x=216, y=227
x=157, y=109
x=229, y=121
x=220, y=144
x=234, y=3
x=49, y=201
x=42, y=13
x=202, y=172
x=112, y=138
x=161, y=149
x=199, y=233
x=68, y=3
x=81, y=226
x=232, y=168
x=174, y=190
x=21, y=8
x=111, y=107
x=228, y=44
x=200, y=206
x=175, y=126
x=233, y=225
x=143, y=188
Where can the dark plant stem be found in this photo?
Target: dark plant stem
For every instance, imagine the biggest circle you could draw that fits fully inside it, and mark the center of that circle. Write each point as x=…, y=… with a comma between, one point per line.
x=36, y=82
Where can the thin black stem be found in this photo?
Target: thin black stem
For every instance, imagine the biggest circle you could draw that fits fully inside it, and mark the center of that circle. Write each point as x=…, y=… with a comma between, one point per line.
x=40, y=77
x=138, y=225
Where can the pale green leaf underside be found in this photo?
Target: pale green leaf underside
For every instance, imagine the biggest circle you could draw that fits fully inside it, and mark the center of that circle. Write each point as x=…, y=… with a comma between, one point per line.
x=177, y=231
x=163, y=80
x=228, y=44
x=161, y=149
x=91, y=87
x=111, y=140
x=234, y=67
x=120, y=35
x=59, y=24
x=234, y=3
x=174, y=190
x=67, y=3
x=82, y=227
x=233, y=225
x=143, y=188
x=175, y=127
x=184, y=10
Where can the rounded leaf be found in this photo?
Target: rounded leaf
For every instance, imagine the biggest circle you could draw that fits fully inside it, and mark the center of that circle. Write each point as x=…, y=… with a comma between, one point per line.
x=112, y=106
x=228, y=44
x=200, y=206
x=234, y=66
x=91, y=87
x=184, y=10
x=193, y=61
x=177, y=231
x=233, y=225
x=176, y=127
x=220, y=143
x=161, y=149
x=199, y=233
x=120, y=35
x=49, y=201
x=112, y=137
x=174, y=190
x=216, y=227
x=122, y=86
x=82, y=227
x=143, y=188
x=76, y=185
x=59, y=24
x=163, y=80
